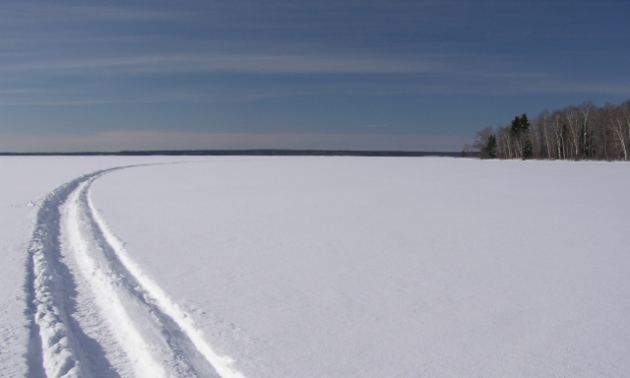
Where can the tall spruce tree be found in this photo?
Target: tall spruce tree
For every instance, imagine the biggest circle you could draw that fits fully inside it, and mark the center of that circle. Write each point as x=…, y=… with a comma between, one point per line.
x=524, y=123
x=528, y=150
x=520, y=125
x=490, y=150
x=515, y=127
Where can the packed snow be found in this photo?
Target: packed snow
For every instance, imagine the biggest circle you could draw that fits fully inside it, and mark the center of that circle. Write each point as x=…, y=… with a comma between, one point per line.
x=248, y=267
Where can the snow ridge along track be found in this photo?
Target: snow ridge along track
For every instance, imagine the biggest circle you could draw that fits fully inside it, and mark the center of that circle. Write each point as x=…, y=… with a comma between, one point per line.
x=94, y=312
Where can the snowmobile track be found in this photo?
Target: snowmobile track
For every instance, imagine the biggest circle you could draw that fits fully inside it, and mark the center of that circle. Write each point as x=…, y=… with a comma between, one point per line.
x=72, y=250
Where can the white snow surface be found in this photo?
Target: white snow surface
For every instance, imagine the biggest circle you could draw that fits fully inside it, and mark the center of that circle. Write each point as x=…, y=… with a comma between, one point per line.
x=397, y=267
x=248, y=267
x=25, y=183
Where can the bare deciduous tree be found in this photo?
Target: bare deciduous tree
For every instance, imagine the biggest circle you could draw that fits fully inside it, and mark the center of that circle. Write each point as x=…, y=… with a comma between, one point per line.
x=573, y=133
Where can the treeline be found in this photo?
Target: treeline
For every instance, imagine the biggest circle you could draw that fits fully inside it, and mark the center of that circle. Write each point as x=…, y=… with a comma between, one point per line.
x=573, y=133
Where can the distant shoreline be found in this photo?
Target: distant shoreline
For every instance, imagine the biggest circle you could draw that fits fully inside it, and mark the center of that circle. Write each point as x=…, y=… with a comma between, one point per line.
x=262, y=152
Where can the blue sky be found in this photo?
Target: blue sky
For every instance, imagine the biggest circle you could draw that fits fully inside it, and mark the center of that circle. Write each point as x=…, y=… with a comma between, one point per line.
x=412, y=75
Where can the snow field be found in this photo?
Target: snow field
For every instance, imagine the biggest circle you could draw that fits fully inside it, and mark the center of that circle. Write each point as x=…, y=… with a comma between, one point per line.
x=330, y=267
x=25, y=184
x=103, y=285
x=313, y=267
x=170, y=308
x=131, y=305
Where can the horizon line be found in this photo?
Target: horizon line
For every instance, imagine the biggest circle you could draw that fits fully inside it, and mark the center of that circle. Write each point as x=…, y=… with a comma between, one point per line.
x=245, y=152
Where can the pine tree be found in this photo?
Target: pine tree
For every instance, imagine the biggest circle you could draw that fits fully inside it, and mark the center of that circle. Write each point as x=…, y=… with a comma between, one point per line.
x=489, y=150
x=528, y=150
x=491, y=147
x=524, y=122
x=515, y=128
x=520, y=125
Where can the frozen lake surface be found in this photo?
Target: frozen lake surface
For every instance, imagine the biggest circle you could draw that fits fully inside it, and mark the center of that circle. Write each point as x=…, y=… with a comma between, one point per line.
x=313, y=267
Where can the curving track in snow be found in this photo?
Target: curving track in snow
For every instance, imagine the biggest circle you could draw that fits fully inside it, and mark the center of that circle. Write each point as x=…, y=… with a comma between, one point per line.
x=94, y=312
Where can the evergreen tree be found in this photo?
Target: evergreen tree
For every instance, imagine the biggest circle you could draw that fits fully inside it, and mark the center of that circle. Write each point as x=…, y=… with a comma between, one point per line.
x=524, y=123
x=515, y=128
x=528, y=150
x=489, y=151
x=491, y=147
x=520, y=125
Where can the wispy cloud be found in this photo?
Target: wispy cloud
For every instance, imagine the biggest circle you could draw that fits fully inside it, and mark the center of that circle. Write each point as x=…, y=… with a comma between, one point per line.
x=239, y=63
x=19, y=91
x=558, y=85
x=246, y=65
x=38, y=12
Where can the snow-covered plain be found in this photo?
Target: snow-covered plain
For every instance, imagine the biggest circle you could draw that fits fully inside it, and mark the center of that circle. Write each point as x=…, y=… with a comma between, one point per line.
x=314, y=267
x=25, y=181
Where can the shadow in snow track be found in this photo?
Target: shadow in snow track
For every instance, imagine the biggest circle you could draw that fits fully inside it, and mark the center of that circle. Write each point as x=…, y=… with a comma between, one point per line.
x=188, y=361
x=58, y=346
